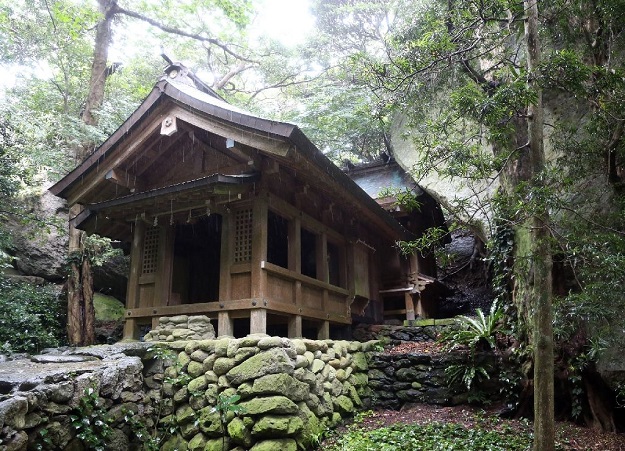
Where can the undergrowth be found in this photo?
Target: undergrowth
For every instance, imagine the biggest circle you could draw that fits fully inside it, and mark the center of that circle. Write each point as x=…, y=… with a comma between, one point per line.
x=434, y=436
x=30, y=317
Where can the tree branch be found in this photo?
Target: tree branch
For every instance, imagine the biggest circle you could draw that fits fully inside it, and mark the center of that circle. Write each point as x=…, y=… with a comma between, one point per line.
x=186, y=34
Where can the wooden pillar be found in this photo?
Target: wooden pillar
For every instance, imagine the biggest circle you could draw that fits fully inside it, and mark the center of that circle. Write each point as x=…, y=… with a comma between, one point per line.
x=323, y=332
x=322, y=257
x=162, y=284
x=131, y=330
x=224, y=324
x=258, y=321
x=225, y=259
x=259, y=246
x=295, y=326
x=409, y=306
x=136, y=254
x=295, y=255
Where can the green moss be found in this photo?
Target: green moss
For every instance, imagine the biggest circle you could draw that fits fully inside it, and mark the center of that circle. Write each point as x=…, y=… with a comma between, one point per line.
x=107, y=308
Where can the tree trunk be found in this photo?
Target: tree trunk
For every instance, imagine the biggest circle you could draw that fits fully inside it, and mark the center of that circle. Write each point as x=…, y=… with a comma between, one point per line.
x=540, y=289
x=80, y=310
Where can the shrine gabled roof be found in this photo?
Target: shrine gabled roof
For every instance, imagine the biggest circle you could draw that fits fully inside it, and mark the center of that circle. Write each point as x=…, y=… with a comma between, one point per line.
x=284, y=141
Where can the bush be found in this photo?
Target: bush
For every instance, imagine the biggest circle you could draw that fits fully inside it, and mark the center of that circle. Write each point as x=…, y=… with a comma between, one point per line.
x=30, y=317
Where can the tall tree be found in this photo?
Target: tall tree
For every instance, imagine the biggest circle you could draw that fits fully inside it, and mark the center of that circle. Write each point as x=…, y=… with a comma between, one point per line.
x=80, y=308
x=539, y=233
x=468, y=77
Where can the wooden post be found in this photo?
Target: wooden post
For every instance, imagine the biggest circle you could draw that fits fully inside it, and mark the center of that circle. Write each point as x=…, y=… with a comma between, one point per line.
x=295, y=326
x=295, y=255
x=131, y=330
x=409, y=306
x=225, y=259
x=258, y=321
x=162, y=284
x=323, y=332
x=224, y=324
x=136, y=253
x=259, y=246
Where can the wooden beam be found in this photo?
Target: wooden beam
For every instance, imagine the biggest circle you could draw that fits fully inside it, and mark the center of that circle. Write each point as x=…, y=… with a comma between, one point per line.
x=136, y=254
x=275, y=146
x=146, y=159
x=162, y=283
x=131, y=330
x=125, y=151
x=259, y=246
x=409, y=306
x=211, y=308
x=125, y=179
x=288, y=274
x=290, y=212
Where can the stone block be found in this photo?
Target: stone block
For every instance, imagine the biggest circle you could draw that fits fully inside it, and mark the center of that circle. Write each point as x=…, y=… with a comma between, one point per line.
x=272, y=361
x=275, y=384
x=283, y=444
x=269, y=405
x=277, y=426
x=240, y=433
x=222, y=365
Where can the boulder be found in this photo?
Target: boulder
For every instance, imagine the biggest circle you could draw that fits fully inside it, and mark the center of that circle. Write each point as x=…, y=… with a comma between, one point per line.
x=276, y=384
x=284, y=444
x=273, y=361
x=278, y=426
x=36, y=253
x=240, y=433
x=270, y=404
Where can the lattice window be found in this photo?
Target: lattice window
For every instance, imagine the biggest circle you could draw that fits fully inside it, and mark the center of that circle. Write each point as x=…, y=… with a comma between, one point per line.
x=243, y=236
x=150, y=251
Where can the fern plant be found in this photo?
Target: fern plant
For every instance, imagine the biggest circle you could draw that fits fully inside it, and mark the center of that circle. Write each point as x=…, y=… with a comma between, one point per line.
x=477, y=333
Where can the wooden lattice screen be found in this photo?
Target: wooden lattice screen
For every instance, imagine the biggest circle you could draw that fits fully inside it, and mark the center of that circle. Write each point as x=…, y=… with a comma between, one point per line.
x=150, y=251
x=243, y=236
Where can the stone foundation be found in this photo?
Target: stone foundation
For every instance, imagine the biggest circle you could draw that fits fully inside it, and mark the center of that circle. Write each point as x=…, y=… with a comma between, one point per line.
x=182, y=327
x=283, y=392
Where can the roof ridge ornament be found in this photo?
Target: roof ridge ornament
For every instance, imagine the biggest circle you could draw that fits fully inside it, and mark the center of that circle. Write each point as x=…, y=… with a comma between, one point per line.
x=182, y=74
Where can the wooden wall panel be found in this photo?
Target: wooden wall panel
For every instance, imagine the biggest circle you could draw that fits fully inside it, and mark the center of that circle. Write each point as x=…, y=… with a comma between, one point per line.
x=312, y=297
x=146, y=295
x=280, y=289
x=241, y=286
x=336, y=303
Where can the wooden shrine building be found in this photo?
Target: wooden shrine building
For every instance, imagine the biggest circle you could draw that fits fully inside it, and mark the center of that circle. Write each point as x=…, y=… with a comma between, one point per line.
x=238, y=218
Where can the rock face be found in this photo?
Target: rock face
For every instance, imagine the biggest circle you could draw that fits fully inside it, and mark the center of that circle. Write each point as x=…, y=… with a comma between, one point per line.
x=39, y=254
x=42, y=253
